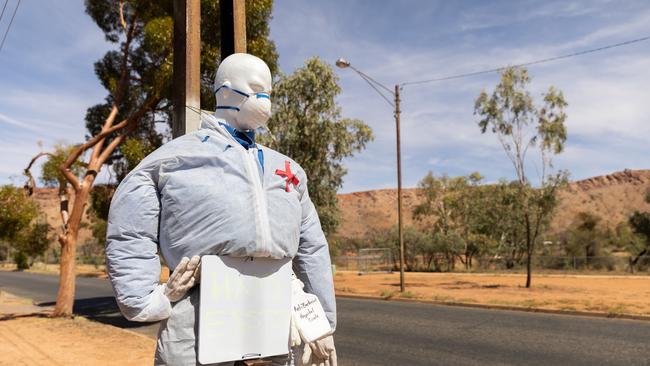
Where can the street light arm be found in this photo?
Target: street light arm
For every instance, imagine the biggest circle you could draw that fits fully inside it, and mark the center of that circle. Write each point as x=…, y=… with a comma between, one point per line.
x=376, y=89
x=364, y=75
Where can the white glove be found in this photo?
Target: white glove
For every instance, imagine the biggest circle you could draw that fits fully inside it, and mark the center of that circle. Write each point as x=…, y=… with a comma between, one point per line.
x=294, y=334
x=320, y=353
x=185, y=275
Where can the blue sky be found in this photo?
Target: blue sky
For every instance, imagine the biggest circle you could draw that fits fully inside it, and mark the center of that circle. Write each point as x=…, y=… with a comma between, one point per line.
x=47, y=79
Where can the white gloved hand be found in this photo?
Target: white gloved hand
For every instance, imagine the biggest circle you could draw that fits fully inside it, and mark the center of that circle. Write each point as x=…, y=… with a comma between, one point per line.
x=294, y=334
x=320, y=353
x=185, y=275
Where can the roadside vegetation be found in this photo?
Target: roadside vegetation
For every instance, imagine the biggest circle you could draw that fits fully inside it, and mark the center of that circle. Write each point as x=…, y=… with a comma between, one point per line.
x=135, y=118
x=23, y=232
x=463, y=224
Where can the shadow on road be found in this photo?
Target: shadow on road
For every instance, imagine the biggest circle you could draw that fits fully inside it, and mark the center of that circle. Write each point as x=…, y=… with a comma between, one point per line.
x=101, y=309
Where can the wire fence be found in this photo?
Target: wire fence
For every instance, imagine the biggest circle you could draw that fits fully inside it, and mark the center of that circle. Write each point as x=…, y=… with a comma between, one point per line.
x=383, y=260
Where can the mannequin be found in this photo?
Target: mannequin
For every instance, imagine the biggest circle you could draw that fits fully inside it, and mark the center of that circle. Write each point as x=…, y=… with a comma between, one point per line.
x=214, y=191
x=240, y=75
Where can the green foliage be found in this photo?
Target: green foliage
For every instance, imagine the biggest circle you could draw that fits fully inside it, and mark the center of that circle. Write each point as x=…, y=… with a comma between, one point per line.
x=21, y=260
x=133, y=151
x=463, y=214
x=32, y=242
x=444, y=248
x=307, y=126
x=17, y=211
x=590, y=244
x=51, y=175
x=640, y=222
x=587, y=221
x=511, y=114
x=585, y=237
x=501, y=216
x=17, y=214
x=93, y=252
x=624, y=238
x=150, y=62
x=100, y=200
x=417, y=242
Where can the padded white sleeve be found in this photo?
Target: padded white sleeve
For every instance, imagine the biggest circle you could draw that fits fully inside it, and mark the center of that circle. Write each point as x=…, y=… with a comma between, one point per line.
x=158, y=308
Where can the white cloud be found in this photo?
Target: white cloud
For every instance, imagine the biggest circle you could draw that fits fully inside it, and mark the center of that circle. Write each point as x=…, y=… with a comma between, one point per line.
x=14, y=122
x=606, y=93
x=497, y=14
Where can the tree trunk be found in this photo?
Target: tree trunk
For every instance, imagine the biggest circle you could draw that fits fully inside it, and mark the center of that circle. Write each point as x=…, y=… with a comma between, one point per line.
x=636, y=259
x=529, y=251
x=429, y=259
x=68, y=240
x=528, y=271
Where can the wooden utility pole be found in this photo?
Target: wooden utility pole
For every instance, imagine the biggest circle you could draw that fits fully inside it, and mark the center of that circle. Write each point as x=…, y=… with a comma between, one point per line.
x=186, y=95
x=233, y=27
x=399, y=190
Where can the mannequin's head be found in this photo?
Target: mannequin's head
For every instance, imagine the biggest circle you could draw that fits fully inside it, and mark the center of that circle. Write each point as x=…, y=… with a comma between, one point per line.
x=242, y=88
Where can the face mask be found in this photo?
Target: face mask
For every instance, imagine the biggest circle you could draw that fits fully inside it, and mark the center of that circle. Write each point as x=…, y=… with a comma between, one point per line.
x=254, y=110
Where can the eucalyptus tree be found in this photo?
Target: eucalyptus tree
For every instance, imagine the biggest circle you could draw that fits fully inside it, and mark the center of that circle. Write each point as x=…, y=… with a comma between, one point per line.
x=137, y=76
x=307, y=125
x=521, y=126
x=640, y=223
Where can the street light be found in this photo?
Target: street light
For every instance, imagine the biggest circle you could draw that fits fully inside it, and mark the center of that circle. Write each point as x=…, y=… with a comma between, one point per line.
x=343, y=63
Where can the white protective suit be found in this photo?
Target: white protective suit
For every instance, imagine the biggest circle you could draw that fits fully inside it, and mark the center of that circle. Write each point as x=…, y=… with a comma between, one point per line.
x=204, y=193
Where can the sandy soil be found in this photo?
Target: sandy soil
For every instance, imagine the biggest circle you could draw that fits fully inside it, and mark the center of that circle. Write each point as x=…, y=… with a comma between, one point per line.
x=603, y=294
x=30, y=338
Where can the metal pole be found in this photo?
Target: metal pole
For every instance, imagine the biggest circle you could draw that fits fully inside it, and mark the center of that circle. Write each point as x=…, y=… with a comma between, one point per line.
x=186, y=94
x=233, y=27
x=399, y=191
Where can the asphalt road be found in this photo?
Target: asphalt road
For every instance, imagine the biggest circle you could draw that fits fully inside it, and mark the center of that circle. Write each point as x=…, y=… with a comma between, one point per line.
x=395, y=333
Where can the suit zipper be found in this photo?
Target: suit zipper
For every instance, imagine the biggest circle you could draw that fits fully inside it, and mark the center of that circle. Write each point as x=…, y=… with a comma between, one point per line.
x=261, y=205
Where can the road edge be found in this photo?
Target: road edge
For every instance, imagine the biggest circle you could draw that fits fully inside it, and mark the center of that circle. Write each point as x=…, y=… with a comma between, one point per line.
x=591, y=314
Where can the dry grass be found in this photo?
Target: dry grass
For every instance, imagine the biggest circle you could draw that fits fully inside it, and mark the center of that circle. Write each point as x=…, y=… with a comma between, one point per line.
x=603, y=294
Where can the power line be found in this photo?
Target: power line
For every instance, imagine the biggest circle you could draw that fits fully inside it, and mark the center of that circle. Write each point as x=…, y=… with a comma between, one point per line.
x=544, y=60
x=365, y=77
x=10, y=23
x=3, y=9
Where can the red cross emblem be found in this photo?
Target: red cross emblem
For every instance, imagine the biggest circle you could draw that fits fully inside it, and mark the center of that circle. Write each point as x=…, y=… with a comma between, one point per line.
x=291, y=178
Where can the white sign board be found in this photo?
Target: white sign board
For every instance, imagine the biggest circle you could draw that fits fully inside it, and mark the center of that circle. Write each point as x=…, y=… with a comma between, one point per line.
x=245, y=308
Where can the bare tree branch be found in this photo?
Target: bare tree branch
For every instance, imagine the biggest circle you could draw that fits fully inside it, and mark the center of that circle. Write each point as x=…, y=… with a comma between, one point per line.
x=98, y=140
x=129, y=126
x=122, y=15
x=30, y=185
